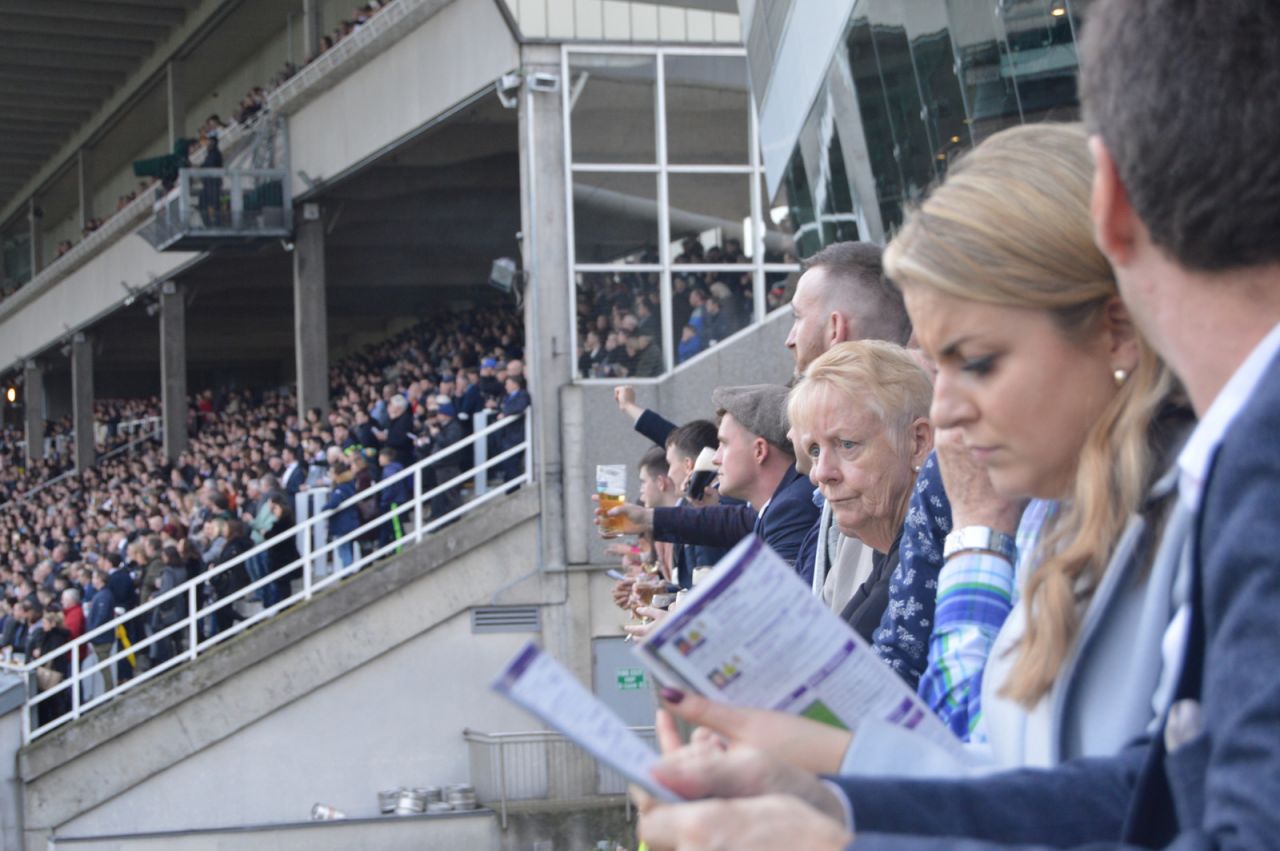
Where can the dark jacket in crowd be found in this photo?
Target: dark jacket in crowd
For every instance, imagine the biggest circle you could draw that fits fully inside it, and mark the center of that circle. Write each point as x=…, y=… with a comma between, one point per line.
x=399, y=437
x=399, y=493
x=348, y=519
x=123, y=591
x=102, y=610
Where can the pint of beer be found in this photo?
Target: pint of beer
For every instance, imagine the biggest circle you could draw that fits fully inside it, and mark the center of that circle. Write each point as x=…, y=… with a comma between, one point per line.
x=611, y=488
x=704, y=470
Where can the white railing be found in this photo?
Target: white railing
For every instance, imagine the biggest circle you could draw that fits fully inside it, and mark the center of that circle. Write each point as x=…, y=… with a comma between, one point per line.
x=540, y=765
x=123, y=221
x=394, y=20
x=312, y=561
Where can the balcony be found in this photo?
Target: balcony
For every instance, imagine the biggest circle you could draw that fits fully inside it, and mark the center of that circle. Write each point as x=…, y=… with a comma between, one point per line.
x=213, y=207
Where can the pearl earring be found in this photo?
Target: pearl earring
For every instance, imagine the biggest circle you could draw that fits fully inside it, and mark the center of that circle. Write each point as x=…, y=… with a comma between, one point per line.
x=1120, y=375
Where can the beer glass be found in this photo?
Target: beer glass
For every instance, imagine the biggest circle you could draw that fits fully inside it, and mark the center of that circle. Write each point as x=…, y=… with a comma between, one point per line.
x=611, y=489
x=704, y=471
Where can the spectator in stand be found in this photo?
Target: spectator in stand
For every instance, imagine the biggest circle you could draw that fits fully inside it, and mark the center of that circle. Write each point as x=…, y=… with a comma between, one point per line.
x=102, y=611
x=281, y=554
x=392, y=497
x=347, y=520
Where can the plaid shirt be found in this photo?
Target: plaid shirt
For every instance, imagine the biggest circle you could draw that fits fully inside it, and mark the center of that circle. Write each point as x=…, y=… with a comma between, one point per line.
x=976, y=591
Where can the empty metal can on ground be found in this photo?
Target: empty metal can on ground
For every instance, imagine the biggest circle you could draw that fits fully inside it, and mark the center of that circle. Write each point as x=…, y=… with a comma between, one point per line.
x=410, y=803
x=462, y=796
x=325, y=812
x=387, y=799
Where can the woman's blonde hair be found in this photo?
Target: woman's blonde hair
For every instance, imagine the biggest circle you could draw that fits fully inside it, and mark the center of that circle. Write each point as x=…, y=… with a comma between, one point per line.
x=869, y=374
x=1010, y=226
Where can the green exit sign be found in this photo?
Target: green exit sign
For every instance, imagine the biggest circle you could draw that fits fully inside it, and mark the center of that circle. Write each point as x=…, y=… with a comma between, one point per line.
x=630, y=679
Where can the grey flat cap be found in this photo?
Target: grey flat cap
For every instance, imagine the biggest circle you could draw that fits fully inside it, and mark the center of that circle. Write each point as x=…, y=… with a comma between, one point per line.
x=759, y=408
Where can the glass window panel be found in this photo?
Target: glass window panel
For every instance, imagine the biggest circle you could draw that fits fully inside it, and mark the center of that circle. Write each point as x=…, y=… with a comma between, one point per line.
x=991, y=98
x=791, y=228
x=711, y=212
x=839, y=217
x=779, y=288
x=707, y=110
x=935, y=63
x=709, y=306
x=876, y=123
x=615, y=217
x=619, y=324
x=1041, y=58
x=611, y=102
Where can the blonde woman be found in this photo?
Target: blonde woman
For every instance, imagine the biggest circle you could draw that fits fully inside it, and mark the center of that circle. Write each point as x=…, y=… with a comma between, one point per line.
x=1043, y=374
x=861, y=418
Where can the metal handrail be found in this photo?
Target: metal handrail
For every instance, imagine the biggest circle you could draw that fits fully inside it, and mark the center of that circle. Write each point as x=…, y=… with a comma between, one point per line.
x=521, y=757
x=306, y=560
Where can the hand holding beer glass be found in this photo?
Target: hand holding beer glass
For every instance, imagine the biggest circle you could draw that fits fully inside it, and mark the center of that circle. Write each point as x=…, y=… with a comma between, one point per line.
x=611, y=492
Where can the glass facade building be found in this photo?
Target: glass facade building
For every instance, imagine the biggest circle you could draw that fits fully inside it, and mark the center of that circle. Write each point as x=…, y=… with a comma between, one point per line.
x=906, y=89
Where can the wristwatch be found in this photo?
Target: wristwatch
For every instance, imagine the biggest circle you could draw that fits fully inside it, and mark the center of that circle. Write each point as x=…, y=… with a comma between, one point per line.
x=980, y=539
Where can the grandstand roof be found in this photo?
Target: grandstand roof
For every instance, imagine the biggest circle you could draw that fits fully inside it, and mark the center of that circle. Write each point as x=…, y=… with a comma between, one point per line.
x=60, y=60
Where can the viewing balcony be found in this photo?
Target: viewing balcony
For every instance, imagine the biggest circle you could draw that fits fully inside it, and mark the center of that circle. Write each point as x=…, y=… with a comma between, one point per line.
x=211, y=207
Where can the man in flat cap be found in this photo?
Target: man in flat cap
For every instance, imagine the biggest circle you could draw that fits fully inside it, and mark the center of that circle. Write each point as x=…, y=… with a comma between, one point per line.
x=757, y=464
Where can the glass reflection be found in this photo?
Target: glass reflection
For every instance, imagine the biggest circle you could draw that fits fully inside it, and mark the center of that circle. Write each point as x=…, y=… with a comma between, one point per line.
x=707, y=110
x=615, y=216
x=612, y=107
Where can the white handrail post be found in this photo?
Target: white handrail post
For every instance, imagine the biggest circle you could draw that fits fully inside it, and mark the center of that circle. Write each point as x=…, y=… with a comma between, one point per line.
x=417, y=505
x=75, y=681
x=481, y=451
x=528, y=443
x=306, y=559
x=193, y=622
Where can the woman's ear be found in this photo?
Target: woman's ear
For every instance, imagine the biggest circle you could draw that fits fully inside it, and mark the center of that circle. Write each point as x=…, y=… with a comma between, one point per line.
x=920, y=441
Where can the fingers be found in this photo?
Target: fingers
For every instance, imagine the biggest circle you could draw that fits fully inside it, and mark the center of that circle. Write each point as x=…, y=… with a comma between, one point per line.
x=668, y=732
x=728, y=721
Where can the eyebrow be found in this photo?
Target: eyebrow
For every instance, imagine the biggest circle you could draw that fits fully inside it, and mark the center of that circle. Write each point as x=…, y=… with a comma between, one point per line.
x=950, y=350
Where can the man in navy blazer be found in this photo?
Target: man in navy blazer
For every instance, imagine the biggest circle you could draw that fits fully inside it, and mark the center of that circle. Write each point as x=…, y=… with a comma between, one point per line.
x=1191, y=223
x=757, y=464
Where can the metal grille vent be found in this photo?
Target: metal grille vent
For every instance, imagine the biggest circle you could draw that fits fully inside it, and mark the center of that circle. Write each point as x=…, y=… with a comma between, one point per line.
x=506, y=619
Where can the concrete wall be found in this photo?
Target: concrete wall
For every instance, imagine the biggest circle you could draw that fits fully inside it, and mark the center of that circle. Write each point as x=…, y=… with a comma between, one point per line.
x=395, y=721
x=34, y=318
x=12, y=695
x=598, y=433
x=455, y=53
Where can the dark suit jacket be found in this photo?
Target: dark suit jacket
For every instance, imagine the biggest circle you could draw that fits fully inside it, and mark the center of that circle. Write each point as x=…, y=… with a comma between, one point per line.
x=866, y=607
x=785, y=523
x=1219, y=788
x=295, y=479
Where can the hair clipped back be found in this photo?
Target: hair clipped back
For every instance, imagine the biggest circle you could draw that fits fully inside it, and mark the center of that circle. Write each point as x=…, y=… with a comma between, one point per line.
x=1186, y=96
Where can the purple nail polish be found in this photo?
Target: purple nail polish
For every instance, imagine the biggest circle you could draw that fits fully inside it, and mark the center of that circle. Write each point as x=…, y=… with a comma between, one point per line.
x=671, y=695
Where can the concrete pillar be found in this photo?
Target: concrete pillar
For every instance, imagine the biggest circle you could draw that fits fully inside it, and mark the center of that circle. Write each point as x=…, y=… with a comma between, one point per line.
x=82, y=401
x=34, y=214
x=84, y=177
x=173, y=369
x=175, y=102
x=549, y=290
x=33, y=408
x=310, y=317
x=312, y=28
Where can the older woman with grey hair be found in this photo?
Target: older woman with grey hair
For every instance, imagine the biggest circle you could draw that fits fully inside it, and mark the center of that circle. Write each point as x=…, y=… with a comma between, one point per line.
x=861, y=416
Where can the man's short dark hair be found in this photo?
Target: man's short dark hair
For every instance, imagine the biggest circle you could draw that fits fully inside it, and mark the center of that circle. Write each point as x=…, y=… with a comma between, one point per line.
x=859, y=272
x=654, y=462
x=692, y=437
x=1186, y=95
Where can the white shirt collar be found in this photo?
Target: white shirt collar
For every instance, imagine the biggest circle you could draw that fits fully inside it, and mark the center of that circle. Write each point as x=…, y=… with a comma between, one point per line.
x=1193, y=462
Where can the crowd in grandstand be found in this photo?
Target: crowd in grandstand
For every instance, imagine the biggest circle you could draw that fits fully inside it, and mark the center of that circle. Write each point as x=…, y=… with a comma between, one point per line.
x=117, y=533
